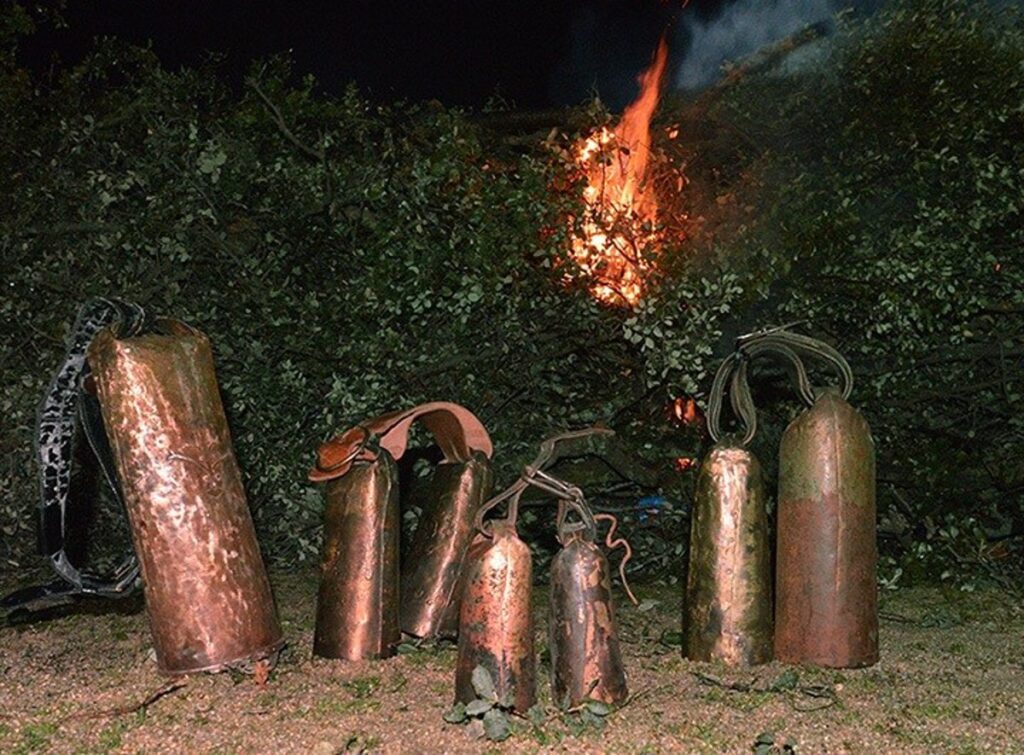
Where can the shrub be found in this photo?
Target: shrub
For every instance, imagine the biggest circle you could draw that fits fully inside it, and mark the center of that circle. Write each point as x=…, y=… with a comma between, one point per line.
x=347, y=258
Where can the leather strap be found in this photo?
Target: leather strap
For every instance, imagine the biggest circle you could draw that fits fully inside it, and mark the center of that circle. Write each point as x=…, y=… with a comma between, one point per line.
x=69, y=407
x=456, y=430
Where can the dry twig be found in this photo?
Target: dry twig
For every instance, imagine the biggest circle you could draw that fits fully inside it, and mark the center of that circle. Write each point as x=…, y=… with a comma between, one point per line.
x=122, y=710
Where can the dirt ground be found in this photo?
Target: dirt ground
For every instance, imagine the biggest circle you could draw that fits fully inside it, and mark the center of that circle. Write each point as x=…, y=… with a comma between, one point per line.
x=951, y=679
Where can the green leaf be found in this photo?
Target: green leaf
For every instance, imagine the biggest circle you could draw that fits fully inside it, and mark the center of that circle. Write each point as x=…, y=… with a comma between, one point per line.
x=786, y=680
x=590, y=719
x=483, y=683
x=672, y=638
x=598, y=708
x=478, y=707
x=456, y=714
x=496, y=725
x=536, y=715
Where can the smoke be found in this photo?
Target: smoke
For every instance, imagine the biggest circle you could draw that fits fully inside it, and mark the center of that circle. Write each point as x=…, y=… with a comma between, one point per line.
x=744, y=27
x=612, y=41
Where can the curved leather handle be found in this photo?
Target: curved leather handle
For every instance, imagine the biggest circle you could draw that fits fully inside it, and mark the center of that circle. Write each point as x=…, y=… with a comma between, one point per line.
x=456, y=430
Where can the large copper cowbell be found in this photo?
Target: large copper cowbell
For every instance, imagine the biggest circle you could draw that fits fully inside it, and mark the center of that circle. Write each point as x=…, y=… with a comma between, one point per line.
x=826, y=591
x=586, y=662
x=207, y=594
x=728, y=614
x=361, y=606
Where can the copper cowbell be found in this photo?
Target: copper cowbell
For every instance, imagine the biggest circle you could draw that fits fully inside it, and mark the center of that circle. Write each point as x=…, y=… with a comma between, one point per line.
x=826, y=590
x=728, y=614
x=586, y=661
x=432, y=568
x=208, y=598
x=357, y=603
x=495, y=621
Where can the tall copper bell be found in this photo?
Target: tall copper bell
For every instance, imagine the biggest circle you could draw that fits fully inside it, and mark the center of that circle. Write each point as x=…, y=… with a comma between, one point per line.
x=357, y=605
x=359, y=598
x=433, y=566
x=495, y=622
x=827, y=596
x=728, y=613
x=586, y=662
x=207, y=595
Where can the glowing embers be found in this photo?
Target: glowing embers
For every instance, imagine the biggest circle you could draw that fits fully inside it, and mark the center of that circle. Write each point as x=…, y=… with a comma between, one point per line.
x=684, y=411
x=616, y=239
x=684, y=463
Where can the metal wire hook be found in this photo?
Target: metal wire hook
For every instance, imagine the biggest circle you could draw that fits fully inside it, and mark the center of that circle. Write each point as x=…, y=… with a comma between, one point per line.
x=612, y=545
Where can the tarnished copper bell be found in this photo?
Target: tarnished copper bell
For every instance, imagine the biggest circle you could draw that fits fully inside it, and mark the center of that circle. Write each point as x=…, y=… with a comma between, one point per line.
x=827, y=610
x=207, y=594
x=433, y=568
x=363, y=603
x=728, y=615
x=586, y=662
x=495, y=622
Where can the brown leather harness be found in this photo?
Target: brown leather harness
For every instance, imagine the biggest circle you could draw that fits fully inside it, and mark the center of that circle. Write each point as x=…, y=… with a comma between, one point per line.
x=456, y=430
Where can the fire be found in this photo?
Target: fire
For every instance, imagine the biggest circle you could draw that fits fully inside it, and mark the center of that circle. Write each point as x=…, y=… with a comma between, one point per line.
x=618, y=233
x=684, y=411
x=684, y=463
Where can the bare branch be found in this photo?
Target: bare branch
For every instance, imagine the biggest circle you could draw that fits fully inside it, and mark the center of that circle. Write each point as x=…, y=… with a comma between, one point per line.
x=275, y=112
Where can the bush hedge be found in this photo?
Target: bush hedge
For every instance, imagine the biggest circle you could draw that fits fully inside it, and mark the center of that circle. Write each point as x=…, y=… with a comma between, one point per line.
x=348, y=257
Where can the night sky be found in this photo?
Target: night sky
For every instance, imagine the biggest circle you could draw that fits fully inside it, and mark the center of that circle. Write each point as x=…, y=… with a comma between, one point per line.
x=534, y=53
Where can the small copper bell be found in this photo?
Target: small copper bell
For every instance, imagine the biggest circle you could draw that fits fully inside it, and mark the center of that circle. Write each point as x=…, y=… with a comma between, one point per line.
x=728, y=593
x=586, y=662
x=728, y=614
x=495, y=622
x=357, y=605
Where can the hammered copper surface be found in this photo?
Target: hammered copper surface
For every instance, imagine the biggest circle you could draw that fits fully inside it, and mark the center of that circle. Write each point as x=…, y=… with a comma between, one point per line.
x=728, y=614
x=207, y=595
x=357, y=606
x=433, y=566
x=495, y=624
x=827, y=609
x=586, y=662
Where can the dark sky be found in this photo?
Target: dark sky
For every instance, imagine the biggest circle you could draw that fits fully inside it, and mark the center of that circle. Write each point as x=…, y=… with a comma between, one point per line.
x=536, y=53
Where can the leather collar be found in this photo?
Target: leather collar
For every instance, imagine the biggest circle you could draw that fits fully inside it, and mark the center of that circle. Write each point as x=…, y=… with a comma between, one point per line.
x=456, y=430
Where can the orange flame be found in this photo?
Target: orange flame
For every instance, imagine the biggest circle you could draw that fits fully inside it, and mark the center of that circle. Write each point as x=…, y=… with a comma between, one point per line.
x=684, y=463
x=618, y=231
x=684, y=411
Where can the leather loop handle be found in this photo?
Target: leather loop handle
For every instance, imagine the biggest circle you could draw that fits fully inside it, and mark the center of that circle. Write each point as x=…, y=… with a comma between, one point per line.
x=456, y=430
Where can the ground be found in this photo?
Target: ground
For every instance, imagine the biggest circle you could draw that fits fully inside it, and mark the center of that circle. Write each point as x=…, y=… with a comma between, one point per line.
x=951, y=679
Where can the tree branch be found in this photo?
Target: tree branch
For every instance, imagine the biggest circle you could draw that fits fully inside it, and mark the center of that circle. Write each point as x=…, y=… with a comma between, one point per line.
x=275, y=112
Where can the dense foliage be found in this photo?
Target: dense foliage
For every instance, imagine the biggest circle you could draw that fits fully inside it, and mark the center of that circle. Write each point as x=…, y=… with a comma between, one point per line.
x=898, y=196
x=349, y=258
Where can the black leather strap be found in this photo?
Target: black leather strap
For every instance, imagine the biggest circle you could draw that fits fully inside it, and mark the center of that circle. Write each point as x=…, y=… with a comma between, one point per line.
x=67, y=408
